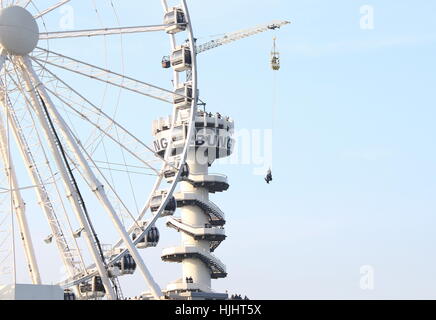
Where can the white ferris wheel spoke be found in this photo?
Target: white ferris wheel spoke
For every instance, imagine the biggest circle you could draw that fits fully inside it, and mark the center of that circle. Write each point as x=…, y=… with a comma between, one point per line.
x=107, y=76
x=96, y=186
x=104, y=130
x=54, y=7
x=100, y=32
x=103, y=122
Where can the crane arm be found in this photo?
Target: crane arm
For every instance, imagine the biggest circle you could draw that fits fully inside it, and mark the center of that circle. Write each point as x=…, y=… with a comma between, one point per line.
x=241, y=34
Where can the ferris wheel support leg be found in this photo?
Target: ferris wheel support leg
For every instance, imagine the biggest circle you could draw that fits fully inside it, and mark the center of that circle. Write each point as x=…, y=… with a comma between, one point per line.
x=96, y=186
x=41, y=193
x=28, y=74
x=20, y=207
x=42, y=196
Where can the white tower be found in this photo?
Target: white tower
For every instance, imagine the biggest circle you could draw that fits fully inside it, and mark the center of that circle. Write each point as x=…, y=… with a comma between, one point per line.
x=201, y=222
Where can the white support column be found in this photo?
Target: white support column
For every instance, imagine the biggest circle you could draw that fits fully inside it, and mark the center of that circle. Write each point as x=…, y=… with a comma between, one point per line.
x=20, y=207
x=96, y=186
x=41, y=193
x=26, y=70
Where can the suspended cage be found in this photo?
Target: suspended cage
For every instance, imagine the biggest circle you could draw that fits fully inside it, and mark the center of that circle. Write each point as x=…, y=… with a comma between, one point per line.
x=275, y=57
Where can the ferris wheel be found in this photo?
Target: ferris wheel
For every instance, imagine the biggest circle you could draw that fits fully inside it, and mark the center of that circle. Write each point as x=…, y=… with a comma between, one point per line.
x=74, y=160
x=54, y=144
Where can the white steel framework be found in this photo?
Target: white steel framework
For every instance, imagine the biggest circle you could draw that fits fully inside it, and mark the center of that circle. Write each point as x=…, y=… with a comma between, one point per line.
x=68, y=179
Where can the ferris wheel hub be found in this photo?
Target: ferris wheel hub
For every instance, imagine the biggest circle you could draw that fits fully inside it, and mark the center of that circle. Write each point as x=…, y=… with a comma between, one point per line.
x=19, y=32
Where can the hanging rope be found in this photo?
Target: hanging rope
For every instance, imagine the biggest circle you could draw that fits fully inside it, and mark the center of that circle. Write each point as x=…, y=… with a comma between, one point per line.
x=275, y=66
x=274, y=100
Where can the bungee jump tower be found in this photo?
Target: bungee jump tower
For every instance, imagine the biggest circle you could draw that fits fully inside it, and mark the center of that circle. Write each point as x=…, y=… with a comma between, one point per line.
x=201, y=222
x=206, y=137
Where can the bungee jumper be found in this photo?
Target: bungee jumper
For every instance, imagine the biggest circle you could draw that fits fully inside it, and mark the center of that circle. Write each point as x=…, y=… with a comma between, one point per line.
x=268, y=177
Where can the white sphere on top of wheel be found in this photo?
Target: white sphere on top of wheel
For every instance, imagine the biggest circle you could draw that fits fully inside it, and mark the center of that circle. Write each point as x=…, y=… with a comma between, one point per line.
x=19, y=32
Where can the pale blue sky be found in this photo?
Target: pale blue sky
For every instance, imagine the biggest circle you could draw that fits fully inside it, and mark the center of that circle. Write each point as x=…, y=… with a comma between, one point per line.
x=354, y=162
x=354, y=174
x=354, y=149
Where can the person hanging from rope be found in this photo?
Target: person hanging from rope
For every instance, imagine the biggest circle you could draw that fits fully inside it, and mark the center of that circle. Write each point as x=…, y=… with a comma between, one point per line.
x=268, y=177
x=275, y=65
